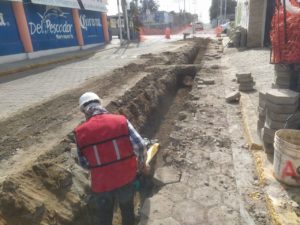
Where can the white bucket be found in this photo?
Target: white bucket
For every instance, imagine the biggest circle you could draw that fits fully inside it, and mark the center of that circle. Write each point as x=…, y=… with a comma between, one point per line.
x=287, y=156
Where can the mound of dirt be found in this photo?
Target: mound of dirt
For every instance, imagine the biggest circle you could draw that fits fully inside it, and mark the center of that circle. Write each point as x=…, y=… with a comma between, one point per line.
x=51, y=188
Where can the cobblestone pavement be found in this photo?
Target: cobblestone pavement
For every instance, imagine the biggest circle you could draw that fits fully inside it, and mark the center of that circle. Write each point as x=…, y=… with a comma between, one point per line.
x=205, y=187
x=25, y=89
x=284, y=201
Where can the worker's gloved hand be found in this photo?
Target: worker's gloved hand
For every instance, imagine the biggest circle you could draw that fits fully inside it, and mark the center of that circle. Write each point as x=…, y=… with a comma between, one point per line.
x=144, y=169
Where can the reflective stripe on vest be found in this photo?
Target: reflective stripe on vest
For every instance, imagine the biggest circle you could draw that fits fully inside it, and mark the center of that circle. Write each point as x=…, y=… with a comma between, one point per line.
x=97, y=156
x=105, y=142
x=117, y=150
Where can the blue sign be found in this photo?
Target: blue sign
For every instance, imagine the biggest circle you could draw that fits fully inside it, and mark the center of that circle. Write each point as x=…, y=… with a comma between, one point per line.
x=10, y=42
x=50, y=27
x=91, y=26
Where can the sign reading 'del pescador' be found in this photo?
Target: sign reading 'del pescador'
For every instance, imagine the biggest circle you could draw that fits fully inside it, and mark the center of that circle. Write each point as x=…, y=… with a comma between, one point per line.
x=91, y=26
x=10, y=42
x=50, y=27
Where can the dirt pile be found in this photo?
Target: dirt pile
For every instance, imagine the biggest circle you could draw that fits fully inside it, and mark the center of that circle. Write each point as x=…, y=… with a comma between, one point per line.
x=46, y=186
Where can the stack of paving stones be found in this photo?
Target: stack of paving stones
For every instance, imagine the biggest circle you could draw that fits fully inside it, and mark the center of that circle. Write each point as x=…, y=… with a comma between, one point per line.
x=283, y=76
x=246, y=82
x=275, y=107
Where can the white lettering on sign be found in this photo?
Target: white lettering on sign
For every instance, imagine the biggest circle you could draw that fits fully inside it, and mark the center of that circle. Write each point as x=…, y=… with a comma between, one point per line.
x=47, y=27
x=89, y=22
x=2, y=21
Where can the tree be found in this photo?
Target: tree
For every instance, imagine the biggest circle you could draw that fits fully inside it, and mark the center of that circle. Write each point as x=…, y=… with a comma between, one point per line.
x=215, y=8
x=152, y=5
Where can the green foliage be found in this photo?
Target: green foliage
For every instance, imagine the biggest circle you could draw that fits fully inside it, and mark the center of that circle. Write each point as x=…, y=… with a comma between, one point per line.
x=152, y=5
x=215, y=8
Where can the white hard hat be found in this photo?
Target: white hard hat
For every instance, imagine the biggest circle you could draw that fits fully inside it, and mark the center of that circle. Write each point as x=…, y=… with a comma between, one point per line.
x=87, y=98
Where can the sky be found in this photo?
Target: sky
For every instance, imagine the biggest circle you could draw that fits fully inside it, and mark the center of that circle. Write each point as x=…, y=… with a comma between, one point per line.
x=200, y=7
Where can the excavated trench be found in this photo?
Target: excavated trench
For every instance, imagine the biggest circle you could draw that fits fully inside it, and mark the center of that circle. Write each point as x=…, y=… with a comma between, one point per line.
x=55, y=190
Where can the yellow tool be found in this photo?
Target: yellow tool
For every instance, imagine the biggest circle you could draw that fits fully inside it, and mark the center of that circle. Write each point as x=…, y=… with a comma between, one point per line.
x=152, y=151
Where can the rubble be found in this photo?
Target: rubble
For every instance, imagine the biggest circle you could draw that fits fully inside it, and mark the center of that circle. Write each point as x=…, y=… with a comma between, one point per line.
x=233, y=97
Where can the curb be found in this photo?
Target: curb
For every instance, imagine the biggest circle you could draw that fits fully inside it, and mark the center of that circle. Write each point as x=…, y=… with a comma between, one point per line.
x=249, y=117
x=48, y=63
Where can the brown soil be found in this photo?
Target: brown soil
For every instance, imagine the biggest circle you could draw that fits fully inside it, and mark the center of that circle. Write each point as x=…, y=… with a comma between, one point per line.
x=40, y=181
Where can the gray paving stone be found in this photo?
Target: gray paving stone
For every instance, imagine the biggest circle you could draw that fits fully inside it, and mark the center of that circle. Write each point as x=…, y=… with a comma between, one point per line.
x=189, y=213
x=223, y=213
x=166, y=175
x=262, y=99
x=282, y=96
x=277, y=86
x=282, y=68
x=243, y=75
x=269, y=131
x=231, y=199
x=157, y=207
x=278, y=116
x=208, y=81
x=176, y=192
x=220, y=157
x=221, y=182
x=246, y=85
x=281, y=109
x=261, y=111
x=233, y=97
x=245, y=80
x=274, y=124
x=282, y=80
x=267, y=138
x=166, y=221
x=207, y=196
x=246, y=88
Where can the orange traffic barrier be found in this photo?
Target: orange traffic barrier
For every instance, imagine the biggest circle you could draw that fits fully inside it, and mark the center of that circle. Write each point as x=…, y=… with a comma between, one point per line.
x=218, y=31
x=168, y=33
x=285, y=35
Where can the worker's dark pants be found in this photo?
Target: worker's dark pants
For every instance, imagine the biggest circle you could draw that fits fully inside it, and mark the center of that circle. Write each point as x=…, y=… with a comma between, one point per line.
x=106, y=201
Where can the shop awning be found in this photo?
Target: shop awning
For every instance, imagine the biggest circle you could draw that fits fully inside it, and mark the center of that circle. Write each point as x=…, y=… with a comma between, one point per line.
x=95, y=5
x=61, y=3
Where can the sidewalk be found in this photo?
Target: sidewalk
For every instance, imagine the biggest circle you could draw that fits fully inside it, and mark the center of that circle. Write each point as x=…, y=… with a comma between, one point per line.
x=29, y=64
x=283, y=201
x=45, y=77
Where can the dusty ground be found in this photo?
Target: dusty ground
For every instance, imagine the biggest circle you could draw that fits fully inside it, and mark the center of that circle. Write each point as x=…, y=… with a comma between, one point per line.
x=201, y=140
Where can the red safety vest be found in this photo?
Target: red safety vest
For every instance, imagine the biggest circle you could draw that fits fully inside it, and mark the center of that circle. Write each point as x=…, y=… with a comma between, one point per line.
x=104, y=141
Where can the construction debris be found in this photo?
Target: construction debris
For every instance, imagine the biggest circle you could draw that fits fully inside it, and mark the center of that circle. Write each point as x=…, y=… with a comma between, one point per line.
x=233, y=97
x=245, y=81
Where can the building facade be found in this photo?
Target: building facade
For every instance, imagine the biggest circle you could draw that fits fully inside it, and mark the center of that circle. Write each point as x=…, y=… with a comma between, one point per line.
x=252, y=15
x=34, y=28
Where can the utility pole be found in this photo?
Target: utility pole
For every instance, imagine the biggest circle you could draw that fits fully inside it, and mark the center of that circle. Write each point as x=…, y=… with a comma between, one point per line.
x=221, y=12
x=119, y=23
x=225, y=10
x=127, y=24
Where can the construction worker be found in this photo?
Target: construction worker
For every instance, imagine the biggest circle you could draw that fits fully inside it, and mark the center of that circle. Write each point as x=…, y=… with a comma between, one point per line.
x=112, y=150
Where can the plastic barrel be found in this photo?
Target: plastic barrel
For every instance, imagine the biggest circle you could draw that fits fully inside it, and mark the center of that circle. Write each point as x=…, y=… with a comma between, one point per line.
x=287, y=156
